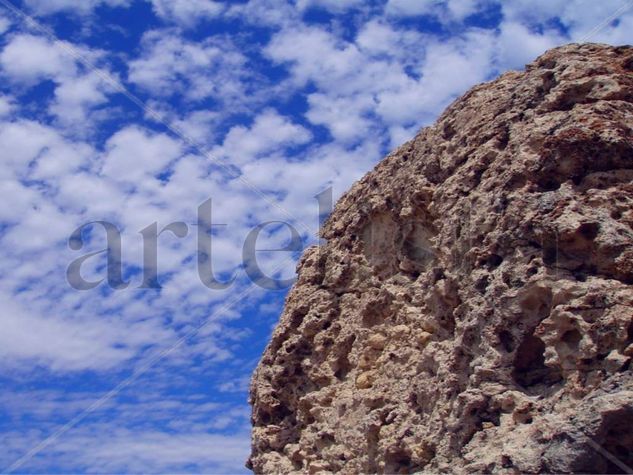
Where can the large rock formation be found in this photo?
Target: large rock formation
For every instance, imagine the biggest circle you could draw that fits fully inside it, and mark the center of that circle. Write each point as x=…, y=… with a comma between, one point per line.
x=472, y=308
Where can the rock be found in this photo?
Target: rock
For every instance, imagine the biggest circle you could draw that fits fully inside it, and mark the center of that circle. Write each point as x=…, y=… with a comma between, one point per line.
x=472, y=308
x=364, y=380
x=377, y=341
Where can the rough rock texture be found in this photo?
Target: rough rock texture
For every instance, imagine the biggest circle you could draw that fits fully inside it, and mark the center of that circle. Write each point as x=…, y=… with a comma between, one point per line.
x=472, y=308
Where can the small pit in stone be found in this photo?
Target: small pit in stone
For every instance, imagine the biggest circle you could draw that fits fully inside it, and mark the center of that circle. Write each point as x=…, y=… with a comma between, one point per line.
x=589, y=230
x=548, y=183
x=417, y=245
x=507, y=341
x=529, y=364
x=494, y=261
x=572, y=338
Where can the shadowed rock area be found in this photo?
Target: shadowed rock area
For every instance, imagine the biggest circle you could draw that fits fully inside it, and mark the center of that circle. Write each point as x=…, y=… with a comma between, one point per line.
x=472, y=308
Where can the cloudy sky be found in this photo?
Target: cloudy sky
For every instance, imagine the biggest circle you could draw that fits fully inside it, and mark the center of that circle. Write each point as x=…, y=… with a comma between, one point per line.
x=136, y=112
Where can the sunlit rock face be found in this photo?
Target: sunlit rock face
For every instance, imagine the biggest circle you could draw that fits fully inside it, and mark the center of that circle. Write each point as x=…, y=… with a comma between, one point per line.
x=472, y=308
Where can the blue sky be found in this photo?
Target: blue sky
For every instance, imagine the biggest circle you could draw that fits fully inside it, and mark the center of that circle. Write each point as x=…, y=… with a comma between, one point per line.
x=258, y=105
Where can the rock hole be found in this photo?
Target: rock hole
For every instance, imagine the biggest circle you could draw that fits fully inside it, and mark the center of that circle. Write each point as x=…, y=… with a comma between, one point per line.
x=507, y=341
x=548, y=183
x=398, y=461
x=417, y=245
x=548, y=63
x=549, y=82
x=297, y=317
x=343, y=365
x=482, y=284
x=589, y=230
x=379, y=239
x=503, y=139
x=448, y=132
x=276, y=415
x=494, y=261
x=373, y=316
x=572, y=338
x=580, y=276
x=550, y=254
x=529, y=364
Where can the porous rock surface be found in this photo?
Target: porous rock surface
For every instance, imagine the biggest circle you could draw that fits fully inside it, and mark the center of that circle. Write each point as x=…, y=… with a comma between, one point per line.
x=472, y=308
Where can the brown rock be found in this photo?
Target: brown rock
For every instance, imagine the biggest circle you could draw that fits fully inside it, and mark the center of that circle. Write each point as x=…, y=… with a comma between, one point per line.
x=494, y=253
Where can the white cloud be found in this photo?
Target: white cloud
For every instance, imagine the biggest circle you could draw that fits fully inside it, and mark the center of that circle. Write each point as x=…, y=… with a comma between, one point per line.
x=5, y=24
x=187, y=12
x=87, y=192
x=107, y=448
x=343, y=116
x=316, y=55
x=518, y=45
x=172, y=65
x=41, y=226
x=61, y=344
x=620, y=34
x=7, y=105
x=269, y=132
x=31, y=58
x=388, y=79
x=411, y=7
x=162, y=426
x=28, y=60
x=376, y=37
x=449, y=10
x=236, y=385
x=460, y=9
x=76, y=98
x=48, y=7
x=131, y=451
x=37, y=151
x=448, y=69
x=22, y=199
x=61, y=159
x=273, y=13
x=332, y=5
x=533, y=11
x=199, y=125
x=21, y=143
x=579, y=17
x=133, y=154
